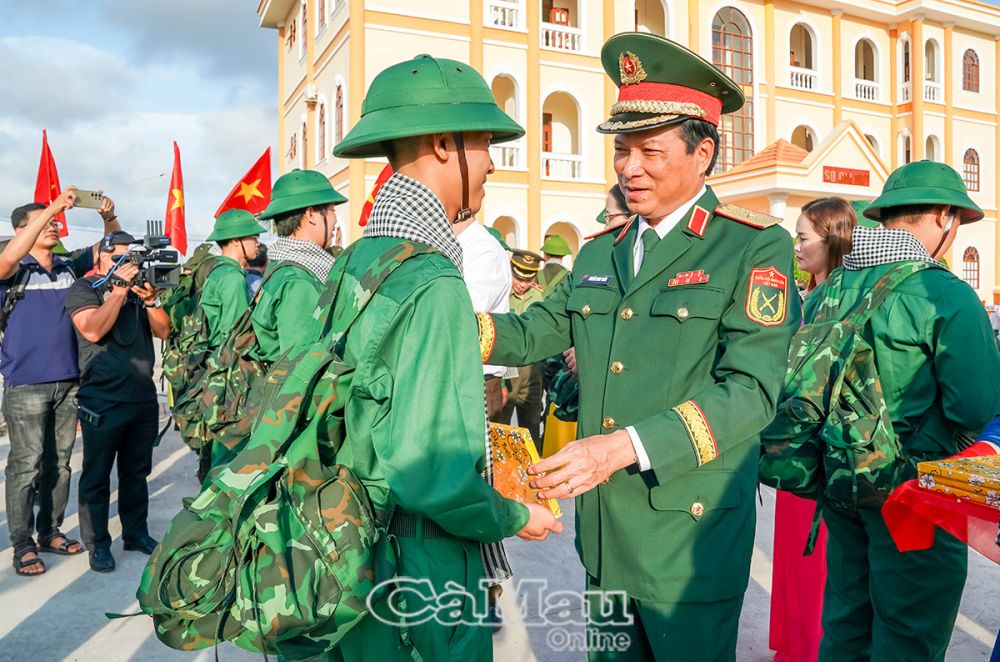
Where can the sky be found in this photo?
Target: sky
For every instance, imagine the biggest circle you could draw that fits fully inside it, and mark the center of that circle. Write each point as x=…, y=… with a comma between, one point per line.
x=114, y=82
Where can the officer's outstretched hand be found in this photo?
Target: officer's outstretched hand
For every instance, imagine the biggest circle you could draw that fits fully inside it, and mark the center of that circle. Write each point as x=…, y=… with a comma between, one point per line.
x=582, y=465
x=540, y=522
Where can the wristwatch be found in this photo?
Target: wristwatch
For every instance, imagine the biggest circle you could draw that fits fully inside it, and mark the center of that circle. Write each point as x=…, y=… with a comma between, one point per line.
x=156, y=303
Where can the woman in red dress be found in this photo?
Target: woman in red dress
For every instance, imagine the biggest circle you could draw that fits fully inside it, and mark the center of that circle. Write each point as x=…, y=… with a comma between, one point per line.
x=823, y=237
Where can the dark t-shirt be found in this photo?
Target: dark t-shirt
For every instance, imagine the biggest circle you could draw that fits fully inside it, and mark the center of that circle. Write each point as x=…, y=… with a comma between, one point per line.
x=118, y=367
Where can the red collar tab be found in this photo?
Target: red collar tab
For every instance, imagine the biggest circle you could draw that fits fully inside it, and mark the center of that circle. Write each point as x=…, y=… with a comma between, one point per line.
x=699, y=221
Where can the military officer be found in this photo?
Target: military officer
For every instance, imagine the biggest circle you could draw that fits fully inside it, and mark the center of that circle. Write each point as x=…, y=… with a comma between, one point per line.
x=416, y=413
x=938, y=365
x=554, y=249
x=681, y=321
x=526, y=389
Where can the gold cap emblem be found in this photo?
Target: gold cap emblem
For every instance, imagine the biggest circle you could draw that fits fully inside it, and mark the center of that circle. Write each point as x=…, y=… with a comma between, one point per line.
x=630, y=68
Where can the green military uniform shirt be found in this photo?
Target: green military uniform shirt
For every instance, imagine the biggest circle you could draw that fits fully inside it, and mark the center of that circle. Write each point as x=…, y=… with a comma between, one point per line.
x=519, y=304
x=550, y=276
x=283, y=313
x=691, y=352
x=224, y=298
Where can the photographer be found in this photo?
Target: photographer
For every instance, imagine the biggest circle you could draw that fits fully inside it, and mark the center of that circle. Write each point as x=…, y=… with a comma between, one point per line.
x=115, y=319
x=41, y=375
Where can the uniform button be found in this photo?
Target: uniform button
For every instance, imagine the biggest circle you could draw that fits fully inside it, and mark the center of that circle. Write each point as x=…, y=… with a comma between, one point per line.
x=627, y=314
x=682, y=313
x=697, y=509
x=608, y=423
x=586, y=309
x=617, y=367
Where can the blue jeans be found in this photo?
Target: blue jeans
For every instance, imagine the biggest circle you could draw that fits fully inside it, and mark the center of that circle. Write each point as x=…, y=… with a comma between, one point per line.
x=41, y=422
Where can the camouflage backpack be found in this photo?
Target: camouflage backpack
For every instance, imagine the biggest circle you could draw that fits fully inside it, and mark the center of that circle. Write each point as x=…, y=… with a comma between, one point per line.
x=221, y=400
x=280, y=551
x=187, y=344
x=832, y=439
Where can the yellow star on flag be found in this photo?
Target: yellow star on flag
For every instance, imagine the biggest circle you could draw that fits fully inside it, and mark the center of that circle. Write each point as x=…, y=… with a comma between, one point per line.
x=178, y=199
x=250, y=191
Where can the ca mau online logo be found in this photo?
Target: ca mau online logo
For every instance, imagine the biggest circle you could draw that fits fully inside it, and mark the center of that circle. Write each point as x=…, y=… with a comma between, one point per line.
x=412, y=601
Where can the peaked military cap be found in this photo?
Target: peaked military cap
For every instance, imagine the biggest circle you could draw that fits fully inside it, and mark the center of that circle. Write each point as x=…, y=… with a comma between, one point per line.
x=525, y=264
x=662, y=83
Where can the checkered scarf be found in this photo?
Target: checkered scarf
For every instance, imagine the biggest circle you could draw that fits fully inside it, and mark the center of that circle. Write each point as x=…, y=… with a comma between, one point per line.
x=407, y=209
x=871, y=247
x=304, y=253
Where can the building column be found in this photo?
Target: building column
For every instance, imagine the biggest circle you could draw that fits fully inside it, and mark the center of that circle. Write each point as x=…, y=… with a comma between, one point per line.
x=694, y=25
x=917, y=87
x=949, y=83
x=357, y=192
x=838, y=67
x=610, y=96
x=769, y=69
x=476, y=35
x=533, y=144
x=893, y=145
x=778, y=205
x=281, y=100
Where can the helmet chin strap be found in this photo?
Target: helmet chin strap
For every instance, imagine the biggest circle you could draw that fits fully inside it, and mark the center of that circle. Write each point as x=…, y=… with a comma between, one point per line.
x=944, y=237
x=465, y=213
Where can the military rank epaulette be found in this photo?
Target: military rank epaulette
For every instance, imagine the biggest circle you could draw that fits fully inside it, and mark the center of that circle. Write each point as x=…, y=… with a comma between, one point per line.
x=622, y=227
x=746, y=216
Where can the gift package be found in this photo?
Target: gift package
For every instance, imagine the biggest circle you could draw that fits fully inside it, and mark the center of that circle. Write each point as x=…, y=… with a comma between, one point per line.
x=975, y=479
x=513, y=452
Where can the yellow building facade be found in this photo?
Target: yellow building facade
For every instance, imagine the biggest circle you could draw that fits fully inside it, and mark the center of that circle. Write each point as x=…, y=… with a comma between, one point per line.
x=839, y=94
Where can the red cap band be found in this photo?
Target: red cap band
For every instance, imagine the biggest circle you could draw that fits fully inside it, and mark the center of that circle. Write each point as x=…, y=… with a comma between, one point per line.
x=673, y=93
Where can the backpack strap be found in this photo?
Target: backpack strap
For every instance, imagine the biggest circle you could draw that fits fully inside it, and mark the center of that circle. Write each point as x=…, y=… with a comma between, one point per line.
x=885, y=285
x=14, y=294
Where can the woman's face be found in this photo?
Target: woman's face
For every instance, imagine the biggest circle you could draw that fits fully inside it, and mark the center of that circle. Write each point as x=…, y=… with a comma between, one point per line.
x=810, y=248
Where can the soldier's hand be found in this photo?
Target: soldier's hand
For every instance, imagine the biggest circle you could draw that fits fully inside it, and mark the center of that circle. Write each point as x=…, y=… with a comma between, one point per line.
x=582, y=465
x=540, y=523
x=569, y=356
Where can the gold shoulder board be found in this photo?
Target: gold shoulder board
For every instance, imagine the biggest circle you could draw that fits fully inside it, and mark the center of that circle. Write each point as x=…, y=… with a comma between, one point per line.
x=746, y=216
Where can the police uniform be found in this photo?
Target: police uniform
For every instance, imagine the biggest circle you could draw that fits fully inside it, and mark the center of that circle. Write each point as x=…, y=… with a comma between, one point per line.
x=684, y=340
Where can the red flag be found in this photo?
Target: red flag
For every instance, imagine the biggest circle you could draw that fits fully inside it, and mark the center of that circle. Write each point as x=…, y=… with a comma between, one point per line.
x=253, y=192
x=366, y=211
x=47, y=186
x=174, y=219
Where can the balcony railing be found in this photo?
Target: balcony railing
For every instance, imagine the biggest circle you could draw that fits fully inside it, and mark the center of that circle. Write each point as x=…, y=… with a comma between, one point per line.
x=932, y=91
x=865, y=90
x=561, y=37
x=904, y=92
x=803, y=79
x=338, y=5
x=562, y=166
x=506, y=155
x=505, y=14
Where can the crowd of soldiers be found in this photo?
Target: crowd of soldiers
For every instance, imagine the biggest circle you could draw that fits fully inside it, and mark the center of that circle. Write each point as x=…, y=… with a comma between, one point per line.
x=673, y=324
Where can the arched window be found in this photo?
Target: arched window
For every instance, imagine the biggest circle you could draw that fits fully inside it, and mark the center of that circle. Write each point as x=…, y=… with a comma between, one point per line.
x=804, y=137
x=290, y=35
x=650, y=17
x=304, y=11
x=801, y=47
x=864, y=60
x=338, y=114
x=872, y=141
x=931, y=151
x=321, y=131
x=907, y=149
x=970, y=267
x=292, y=147
x=970, y=169
x=906, y=60
x=931, y=65
x=732, y=45
x=970, y=71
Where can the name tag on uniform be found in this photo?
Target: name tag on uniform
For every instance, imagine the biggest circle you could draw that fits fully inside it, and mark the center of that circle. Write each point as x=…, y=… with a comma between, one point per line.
x=596, y=280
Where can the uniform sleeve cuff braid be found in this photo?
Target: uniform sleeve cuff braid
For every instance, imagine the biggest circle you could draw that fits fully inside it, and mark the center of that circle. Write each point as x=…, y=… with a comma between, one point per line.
x=487, y=335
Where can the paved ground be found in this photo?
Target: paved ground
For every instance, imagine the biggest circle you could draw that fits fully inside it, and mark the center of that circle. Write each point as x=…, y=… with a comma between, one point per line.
x=61, y=616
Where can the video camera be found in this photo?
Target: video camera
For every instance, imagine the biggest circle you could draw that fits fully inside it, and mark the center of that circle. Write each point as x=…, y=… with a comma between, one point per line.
x=157, y=263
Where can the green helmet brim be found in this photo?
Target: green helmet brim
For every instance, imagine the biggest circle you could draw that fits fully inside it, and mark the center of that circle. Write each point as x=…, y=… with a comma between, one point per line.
x=926, y=195
x=301, y=201
x=366, y=139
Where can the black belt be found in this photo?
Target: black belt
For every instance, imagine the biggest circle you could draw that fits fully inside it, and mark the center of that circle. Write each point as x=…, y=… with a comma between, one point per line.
x=406, y=525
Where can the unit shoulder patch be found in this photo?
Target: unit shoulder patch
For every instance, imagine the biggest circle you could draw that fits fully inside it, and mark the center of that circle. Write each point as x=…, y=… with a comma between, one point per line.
x=767, y=296
x=746, y=216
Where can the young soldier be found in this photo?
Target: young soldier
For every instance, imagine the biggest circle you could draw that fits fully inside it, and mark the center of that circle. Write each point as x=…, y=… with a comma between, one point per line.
x=554, y=249
x=938, y=363
x=224, y=296
x=415, y=417
x=681, y=322
x=302, y=209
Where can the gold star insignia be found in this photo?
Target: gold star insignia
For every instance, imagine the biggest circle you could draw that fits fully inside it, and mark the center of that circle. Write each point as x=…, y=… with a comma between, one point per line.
x=178, y=199
x=250, y=191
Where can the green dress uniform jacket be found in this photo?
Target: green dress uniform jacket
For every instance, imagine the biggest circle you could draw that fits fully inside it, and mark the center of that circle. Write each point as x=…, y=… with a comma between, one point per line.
x=692, y=353
x=938, y=364
x=417, y=441
x=283, y=314
x=224, y=298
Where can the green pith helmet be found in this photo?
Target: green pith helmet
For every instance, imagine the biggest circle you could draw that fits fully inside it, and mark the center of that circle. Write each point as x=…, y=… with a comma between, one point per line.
x=299, y=189
x=422, y=96
x=234, y=224
x=555, y=245
x=925, y=183
x=662, y=83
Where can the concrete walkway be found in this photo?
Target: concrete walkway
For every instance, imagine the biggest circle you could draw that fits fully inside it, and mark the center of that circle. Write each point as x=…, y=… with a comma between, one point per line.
x=60, y=616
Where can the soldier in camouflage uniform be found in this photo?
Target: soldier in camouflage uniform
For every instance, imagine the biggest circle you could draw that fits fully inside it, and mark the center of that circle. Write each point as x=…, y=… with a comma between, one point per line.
x=415, y=417
x=938, y=366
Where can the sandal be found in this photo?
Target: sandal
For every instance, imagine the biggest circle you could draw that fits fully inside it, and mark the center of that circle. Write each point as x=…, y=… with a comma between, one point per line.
x=20, y=563
x=63, y=549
